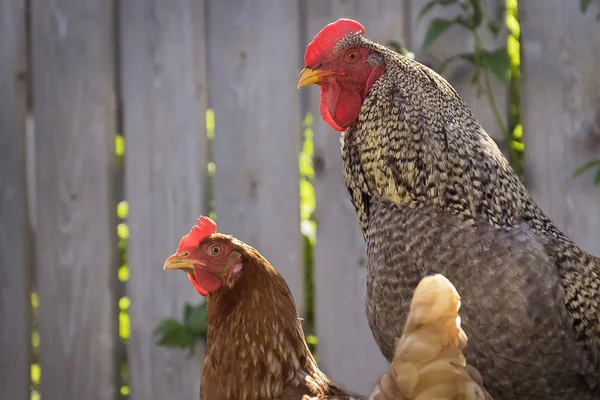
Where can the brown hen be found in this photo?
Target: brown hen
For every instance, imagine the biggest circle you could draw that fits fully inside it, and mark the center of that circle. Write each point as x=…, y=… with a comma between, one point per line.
x=255, y=347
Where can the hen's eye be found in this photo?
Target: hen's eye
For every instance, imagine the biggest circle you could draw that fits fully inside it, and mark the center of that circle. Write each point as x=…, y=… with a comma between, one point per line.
x=352, y=55
x=215, y=250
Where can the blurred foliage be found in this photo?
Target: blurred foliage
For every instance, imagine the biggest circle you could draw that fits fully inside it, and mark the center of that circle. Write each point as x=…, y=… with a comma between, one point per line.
x=210, y=135
x=587, y=166
x=584, y=5
x=35, y=370
x=185, y=334
x=513, y=45
x=594, y=164
x=471, y=17
x=503, y=63
x=308, y=228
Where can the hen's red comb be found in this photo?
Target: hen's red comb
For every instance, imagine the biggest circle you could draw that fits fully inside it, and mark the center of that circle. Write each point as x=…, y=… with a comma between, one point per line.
x=204, y=228
x=325, y=40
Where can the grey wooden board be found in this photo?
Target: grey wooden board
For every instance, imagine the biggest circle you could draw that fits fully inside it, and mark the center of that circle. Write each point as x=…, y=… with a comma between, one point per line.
x=15, y=306
x=165, y=176
x=560, y=97
x=458, y=40
x=347, y=351
x=253, y=62
x=74, y=97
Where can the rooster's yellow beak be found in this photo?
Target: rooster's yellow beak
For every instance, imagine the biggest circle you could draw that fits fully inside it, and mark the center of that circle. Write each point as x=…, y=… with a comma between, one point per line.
x=309, y=76
x=177, y=262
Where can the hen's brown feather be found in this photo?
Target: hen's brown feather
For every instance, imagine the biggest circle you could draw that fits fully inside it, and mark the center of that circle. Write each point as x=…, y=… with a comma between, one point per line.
x=255, y=347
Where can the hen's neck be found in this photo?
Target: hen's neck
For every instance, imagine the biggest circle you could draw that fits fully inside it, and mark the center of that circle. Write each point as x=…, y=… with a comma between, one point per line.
x=255, y=344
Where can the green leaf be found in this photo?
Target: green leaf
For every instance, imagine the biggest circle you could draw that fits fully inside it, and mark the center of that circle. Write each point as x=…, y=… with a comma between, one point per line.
x=307, y=199
x=187, y=310
x=123, y=273
x=462, y=21
x=494, y=27
x=397, y=47
x=429, y=6
x=210, y=124
x=470, y=57
x=498, y=63
x=124, y=325
x=35, y=300
x=36, y=373
x=444, y=64
x=166, y=326
x=475, y=79
x=312, y=339
x=477, y=17
x=584, y=4
x=518, y=131
x=308, y=146
x=585, y=167
x=436, y=27
x=518, y=146
x=308, y=120
x=119, y=145
x=170, y=333
x=195, y=319
x=426, y=8
x=123, y=231
x=124, y=303
x=122, y=209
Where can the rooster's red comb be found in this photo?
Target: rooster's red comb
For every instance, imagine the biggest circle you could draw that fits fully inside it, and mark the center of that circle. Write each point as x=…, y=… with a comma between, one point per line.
x=204, y=228
x=326, y=39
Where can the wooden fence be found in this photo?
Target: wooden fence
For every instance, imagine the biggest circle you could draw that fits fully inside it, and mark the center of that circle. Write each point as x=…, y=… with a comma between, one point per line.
x=84, y=71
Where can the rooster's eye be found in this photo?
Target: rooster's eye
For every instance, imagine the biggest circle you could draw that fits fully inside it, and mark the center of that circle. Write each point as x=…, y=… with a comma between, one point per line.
x=352, y=55
x=215, y=250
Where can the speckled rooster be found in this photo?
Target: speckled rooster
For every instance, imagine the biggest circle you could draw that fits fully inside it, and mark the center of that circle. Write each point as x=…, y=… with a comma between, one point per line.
x=434, y=194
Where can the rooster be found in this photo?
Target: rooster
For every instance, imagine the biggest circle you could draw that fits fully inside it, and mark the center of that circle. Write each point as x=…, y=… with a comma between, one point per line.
x=255, y=347
x=434, y=194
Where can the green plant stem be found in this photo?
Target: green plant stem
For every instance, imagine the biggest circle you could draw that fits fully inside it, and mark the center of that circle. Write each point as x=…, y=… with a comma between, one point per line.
x=487, y=86
x=492, y=100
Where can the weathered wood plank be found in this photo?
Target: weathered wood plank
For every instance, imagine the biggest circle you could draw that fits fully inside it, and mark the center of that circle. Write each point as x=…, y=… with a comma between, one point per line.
x=459, y=73
x=561, y=113
x=253, y=62
x=347, y=350
x=15, y=306
x=74, y=99
x=165, y=168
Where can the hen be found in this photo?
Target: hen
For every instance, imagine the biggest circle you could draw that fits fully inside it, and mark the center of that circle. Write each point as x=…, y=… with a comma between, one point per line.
x=255, y=347
x=434, y=194
x=428, y=362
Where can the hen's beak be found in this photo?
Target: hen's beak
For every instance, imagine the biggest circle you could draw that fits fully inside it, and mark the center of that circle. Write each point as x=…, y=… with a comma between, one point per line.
x=309, y=76
x=177, y=262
